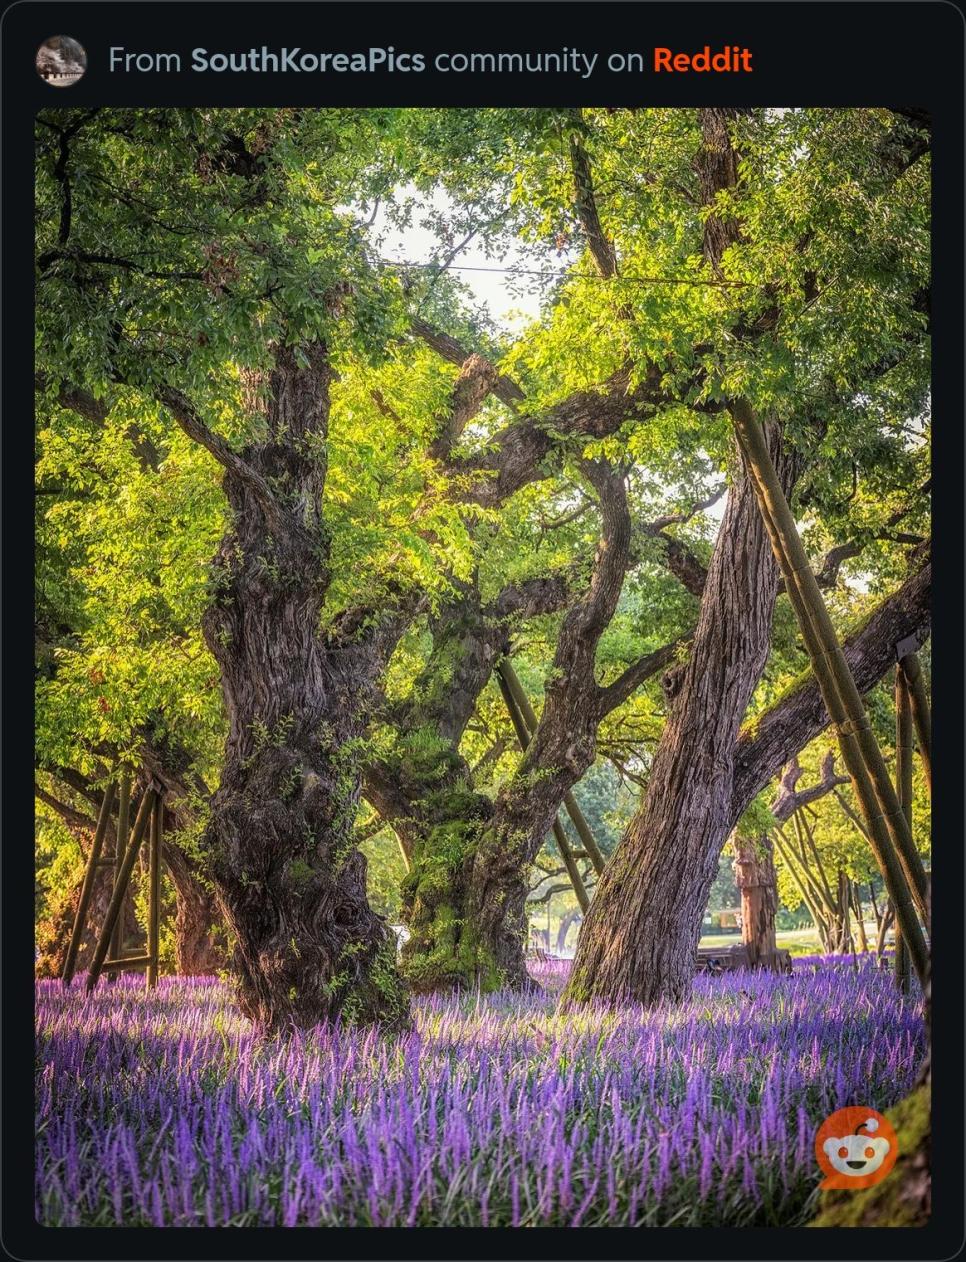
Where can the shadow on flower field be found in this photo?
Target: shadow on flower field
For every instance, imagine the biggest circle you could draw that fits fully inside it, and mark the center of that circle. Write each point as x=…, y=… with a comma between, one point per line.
x=162, y=1109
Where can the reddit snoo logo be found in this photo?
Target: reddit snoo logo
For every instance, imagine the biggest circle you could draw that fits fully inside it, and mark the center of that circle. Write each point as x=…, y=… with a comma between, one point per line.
x=855, y=1147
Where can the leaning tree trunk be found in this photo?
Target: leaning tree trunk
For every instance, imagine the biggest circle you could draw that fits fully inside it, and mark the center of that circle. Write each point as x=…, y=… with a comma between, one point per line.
x=562, y=748
x=280, y=838
x=639, y=938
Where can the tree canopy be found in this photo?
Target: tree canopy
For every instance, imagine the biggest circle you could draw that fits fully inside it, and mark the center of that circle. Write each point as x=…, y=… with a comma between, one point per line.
x=296, y=502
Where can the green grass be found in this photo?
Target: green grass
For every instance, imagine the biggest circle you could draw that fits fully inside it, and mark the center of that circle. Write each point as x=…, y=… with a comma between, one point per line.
x=797, y=941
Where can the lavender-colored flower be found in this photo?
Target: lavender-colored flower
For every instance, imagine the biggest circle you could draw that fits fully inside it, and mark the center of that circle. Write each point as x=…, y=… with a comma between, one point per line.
x=163, y=1109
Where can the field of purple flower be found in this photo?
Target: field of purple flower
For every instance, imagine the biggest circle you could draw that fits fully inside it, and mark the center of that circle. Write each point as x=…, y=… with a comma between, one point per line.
x=163, y=1109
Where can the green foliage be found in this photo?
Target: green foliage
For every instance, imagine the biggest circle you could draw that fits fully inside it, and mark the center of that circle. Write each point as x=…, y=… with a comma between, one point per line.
x=201, y=239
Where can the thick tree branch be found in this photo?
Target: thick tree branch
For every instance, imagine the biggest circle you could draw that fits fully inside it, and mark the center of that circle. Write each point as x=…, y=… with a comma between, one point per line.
x=585, y=204
x=109, y=260
x=72, y=817
x=477, y=378
x=84, y=404
x=448, y=348
x=790, y=798
x=74, y=399
x=770, y=741
x=519, y=453
x=532, y=596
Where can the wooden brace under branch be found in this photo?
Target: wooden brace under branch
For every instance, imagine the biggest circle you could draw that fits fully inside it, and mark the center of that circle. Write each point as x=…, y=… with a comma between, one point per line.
x=560, y=837
x=888, y=827
x=108, y=954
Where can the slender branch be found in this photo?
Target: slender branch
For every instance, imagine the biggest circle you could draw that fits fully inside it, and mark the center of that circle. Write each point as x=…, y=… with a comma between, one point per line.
x=187, y=417
x=110, y=260
x=788, y=726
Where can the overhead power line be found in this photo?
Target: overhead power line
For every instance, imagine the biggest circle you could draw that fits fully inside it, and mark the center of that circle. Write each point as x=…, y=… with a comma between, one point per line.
x=558, y=275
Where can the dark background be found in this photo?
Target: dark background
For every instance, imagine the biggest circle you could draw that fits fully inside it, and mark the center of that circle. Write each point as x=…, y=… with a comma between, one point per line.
x=804, y=54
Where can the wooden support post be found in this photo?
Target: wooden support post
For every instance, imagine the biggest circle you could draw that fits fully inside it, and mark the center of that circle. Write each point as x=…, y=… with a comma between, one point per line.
x=563, y=845
x=154, y=891
x=889, y=831
x=875, y=906
x=120, y=888
x=912, y=672
x=807, y=895
x=579, y=820
x=120, y=845
x=127, y=961
x=570, y=863
x=87, y=888
x=844, y=909
x=589, y=841
x=859, y=917
x=904, y=791
x=888, y=918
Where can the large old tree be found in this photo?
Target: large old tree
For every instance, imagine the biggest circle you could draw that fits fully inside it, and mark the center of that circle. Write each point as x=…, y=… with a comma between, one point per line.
x=640, y=936
x=406, y=501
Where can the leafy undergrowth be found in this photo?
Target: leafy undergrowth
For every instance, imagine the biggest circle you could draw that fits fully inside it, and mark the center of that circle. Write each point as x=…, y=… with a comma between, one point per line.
x=163, y=1109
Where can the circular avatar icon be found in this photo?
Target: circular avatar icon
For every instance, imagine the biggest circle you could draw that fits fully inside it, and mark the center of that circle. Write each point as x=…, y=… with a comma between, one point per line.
x=855, y=1147
x=60, y=61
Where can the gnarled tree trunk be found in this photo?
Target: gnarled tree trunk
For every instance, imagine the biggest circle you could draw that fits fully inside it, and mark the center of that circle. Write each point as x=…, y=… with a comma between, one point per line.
x=562, y=748
x=280, y=840
x=424, y=787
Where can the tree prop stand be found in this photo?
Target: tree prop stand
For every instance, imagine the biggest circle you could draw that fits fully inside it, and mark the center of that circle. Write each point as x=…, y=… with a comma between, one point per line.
x=108, y=953
x=888, y=827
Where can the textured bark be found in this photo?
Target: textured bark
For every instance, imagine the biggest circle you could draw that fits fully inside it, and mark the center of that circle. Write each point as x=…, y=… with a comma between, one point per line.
x=639, y=938
x=561, y=750
x=425, y=789
x=469, y=881
x=280, y=841
x=199, y=947
x=754, y=866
